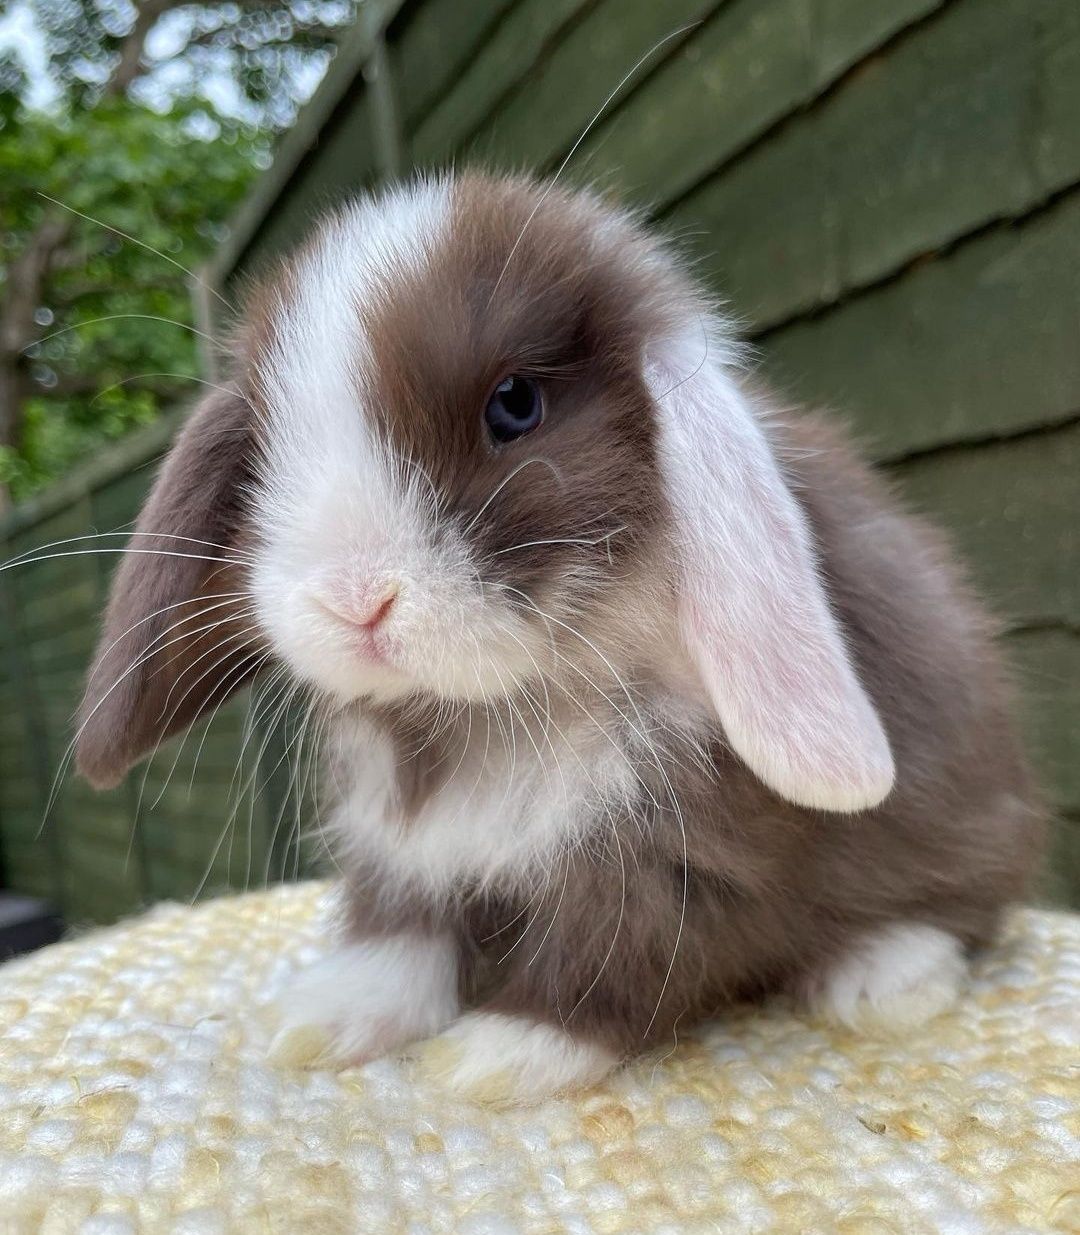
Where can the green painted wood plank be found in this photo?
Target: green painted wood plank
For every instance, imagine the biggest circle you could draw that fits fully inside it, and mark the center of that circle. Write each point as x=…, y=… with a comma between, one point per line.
x=100, y=880
x=53, y=524
x=35, y=745
x=1057, y=147
x=543, y=118
x=1047, y=664
x=432, y=44
x=334, y=98
x=983, y=341
x=45, y=577
x=50, y=612
x=342, y=164
x=18, y=795
x=62, y=655
x=1012, y=508
x=117, y=503
x=846, y=29
x=749, y=65
x=91, y=815
x=27, y=869
x=916, y=149
x=117, y=460
x=519, y=43
x=1060, y=884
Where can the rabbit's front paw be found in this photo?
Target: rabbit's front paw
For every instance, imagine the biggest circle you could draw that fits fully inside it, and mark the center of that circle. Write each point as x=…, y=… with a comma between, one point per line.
x=366, y=1000
x=508, y=1060
x=898, y=978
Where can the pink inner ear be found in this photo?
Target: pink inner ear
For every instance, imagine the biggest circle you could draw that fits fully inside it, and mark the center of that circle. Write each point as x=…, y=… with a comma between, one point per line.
x=754, y=613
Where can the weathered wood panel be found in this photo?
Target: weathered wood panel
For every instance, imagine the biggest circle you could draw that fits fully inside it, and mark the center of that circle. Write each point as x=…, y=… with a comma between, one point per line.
x=1013, y=508
x=750, y=65
x=1047, y=664
x=980, y=342
x=938, y=138
x=542, y=119
x=806, y=151
x=519, y=43
x=343, y=163
x=1061, y=882
x=430, y=47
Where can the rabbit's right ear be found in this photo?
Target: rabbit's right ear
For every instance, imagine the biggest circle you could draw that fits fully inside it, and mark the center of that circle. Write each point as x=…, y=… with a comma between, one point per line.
x=174, y=641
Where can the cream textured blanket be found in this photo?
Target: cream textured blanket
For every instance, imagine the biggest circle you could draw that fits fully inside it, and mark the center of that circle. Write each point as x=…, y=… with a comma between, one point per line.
x=134, y=1096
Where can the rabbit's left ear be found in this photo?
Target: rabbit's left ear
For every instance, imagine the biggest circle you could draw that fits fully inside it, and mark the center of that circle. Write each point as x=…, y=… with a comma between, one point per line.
x=753, y=609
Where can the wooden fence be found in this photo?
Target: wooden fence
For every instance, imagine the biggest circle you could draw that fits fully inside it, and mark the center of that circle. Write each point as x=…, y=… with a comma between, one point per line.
x=888, y=192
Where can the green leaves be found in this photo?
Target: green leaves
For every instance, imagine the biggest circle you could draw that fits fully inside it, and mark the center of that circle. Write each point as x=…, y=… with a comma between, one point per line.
x=109, y=309
x=95, y=329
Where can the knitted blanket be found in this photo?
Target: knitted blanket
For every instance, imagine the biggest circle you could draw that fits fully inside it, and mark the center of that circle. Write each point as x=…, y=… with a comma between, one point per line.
x=135, y=1096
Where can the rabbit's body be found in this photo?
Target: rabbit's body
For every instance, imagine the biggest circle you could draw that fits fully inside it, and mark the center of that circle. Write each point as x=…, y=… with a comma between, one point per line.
x=666, y=705
x=573, y=882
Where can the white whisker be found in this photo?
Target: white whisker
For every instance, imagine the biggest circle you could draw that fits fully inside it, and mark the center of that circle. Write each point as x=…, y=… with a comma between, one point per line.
x=187, y=377
x=116, y=231
x=573, y=149
x=197, y=557
x=115, y=317
x=26, y=558
x=504, y=482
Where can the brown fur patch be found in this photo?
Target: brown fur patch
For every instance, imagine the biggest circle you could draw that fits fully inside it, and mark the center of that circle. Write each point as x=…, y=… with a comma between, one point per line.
x=447, y=332
x=773, y=893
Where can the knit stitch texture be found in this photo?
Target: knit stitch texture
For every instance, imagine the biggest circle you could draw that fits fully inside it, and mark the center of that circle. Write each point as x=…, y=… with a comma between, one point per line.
x=135, y=1096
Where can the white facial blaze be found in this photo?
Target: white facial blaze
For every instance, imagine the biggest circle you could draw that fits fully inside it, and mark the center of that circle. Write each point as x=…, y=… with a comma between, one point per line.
x=342, y=519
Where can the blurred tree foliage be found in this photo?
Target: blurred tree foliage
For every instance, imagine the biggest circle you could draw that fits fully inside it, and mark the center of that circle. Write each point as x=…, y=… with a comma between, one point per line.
x=158, y=115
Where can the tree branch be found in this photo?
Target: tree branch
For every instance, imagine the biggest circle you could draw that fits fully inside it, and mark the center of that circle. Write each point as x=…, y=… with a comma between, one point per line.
x=22, y=293
x=207, y=38
x=25, y=278
x=131, y=65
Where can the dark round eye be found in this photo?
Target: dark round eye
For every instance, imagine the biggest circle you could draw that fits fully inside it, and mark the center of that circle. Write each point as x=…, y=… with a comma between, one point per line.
x=514, y=409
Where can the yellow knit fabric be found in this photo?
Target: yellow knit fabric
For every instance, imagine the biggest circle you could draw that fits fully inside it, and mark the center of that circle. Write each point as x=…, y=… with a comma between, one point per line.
x=134, y=1096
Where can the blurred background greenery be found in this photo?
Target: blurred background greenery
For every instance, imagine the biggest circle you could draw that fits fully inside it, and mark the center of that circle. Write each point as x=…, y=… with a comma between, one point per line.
x=886, y=191
x=153, y=119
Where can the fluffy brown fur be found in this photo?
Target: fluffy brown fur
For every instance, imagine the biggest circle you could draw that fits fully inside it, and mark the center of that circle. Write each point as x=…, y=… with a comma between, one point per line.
x=760, y=894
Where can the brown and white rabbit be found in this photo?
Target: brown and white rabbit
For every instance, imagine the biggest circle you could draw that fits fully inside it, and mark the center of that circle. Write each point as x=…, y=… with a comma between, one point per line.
x=644, y=701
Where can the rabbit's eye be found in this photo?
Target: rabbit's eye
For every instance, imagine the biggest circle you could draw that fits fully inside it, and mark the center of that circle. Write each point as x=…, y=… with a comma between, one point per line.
x=514, y=409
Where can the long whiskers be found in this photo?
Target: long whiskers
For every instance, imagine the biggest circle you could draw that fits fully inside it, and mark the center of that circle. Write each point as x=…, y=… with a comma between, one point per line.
x=65, y=760
x=557, y=540
x=573, y=149
x=640, y=731
x=197, y=557
x=27, y=557
x=116, y=317
x=187, y=377
x=116, y=231
x=505, y=481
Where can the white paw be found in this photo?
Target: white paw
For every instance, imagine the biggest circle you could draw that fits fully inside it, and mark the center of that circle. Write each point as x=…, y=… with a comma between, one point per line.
x=366, y=1000
x=898, y=978
x=508, y=1060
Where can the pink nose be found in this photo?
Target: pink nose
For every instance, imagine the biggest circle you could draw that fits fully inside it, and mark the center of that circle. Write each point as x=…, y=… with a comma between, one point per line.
x=379, y=610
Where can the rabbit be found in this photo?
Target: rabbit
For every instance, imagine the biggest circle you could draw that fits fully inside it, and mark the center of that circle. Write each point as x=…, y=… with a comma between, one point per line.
x=642, y=697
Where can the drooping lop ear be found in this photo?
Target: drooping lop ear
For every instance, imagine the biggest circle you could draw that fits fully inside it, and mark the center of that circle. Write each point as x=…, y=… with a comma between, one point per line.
x=753, y=608
x=174, y=640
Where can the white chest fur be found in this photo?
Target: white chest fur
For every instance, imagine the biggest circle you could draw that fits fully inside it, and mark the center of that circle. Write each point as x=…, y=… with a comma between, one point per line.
x=512, y=807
